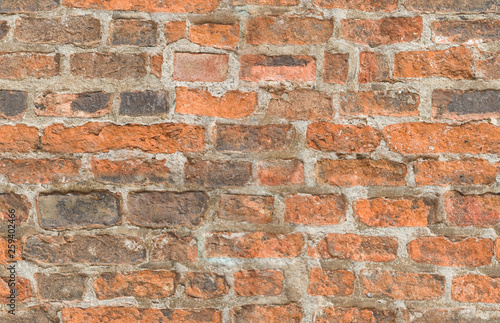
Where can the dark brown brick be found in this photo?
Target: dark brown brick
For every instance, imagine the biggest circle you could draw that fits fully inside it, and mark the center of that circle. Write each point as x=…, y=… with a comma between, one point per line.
x=132, y=32
x=110, y=65
x=465, y=105
x=474, y=6
x=12, y=104
x=253, y=138
x=468, y=32
x=379, y=103
x=61, y=287
x=206, y=285
x=4, y=29
x=82, y=105
x=36, y=314
x=218, y=173
x=290, y=313
x=148, y=103
x=28, y=5
x=19, y=203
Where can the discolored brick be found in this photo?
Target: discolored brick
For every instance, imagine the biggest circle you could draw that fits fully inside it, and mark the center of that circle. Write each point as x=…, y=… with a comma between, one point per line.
x=258, y=68
x=379, y=103
x=342, y=138
x=373, y=67
x=480, y=211
x=19, y=6
x=266, y=2
x=280, y=172
x=171, y=247
x=108, y=65
x=246, y=208
x=290, y=313
x=61, y=287
x=4, y=29
x=457, y=172
x=465, y=105
x=147, y=103
x=301, y=104
x=202, y=67
x=15, y=66
x=130, y=171
x=156, y=62
x=132, y=32
x=215, y=35
x=184, y=6
x=465, y=32
x=330, y=282
x=16, y=202
x=205, y=285
x=258, y=282
x=444, y=6
x=315, y=209
x=253, y=138
x=476, y=288
x=79, y=105
x=354, y=314
x=40, y=171
x=217, y=173
x=22, y=289
x=30, y=314
x=488, y=66
x=12, y=104
x=363, y=5
x=335, y=68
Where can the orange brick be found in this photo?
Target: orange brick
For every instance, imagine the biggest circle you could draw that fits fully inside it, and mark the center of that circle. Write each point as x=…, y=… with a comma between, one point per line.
x=22, y=288
x=130, y=171
x=190, y=6
x=373, y=67
x=363, y=5
x=156, y=63
x=175, y=30
x=481, y=211
x=40, y=171
x=258, y=68
x=301, y=104
x=457, y=172
x=263, y=313
x=266, y=2
x=19, y=138
x=17, y=66
x=315, y=209
x=246, y=208
x=330, y=282
x=342, y=138
x=488, y=66
x=200, y=67
x=280, y=172
x=476, y=288
x=171, y=247
x=335, y=68
x=353, y=314
x=258, y=282
x=215, y=35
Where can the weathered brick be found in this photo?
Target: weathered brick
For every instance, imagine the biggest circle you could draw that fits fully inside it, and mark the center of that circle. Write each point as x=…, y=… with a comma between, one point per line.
x=276, y=30
x=481, y=211
x=167, y=209
x=443, y=251
x=189, y=6
x=175, y=30
x=12, y=104
x=84, y=249
x=335, y=68
x=455, y=315
x=218, y=173
x=488, y=66
x=18, y=203
x=28, y=6
x=156, y=62
x=40, y=171
x=200, y=67
x=206, y=285
x=404, y=286
x=453, y=63
x=330, y=282
x=342, y=138
x=465, y=32
x=231, y=105
x=379, y=103
x=353, y=314
x=476, y=288
x=382, y=31
x=215, y=35
x=363, y=5
x=76, y=30
x=31, y=314
x=70, y=211
x=145, y=283
x=360, y=172
x=396, y=212
x=355, y=247
x=172, y=247
x=4, y=28
x=373, y=67
x=126, y=314
x=253, y=138
x=80, y=105
x=280, y=172
x=253, y=245
x=22, y=290
x=290, y=313
x=61, y=287
x=25, y=65
x=315, y=209
x=130, y=171
x=132, y=32
x=258, y=282
x=246, y=208
x=457, y=172
x=476, y=6
x=108, y=65
x=301, y=104
x=465, y=105
x=147, y=103
x=258, y=68
x=434, y=138
x=103, y=137
x=266, y=2
x=5, y=255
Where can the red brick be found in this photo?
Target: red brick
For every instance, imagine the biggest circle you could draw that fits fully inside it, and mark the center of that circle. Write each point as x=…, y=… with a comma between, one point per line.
x=145, y=283
x=459, y=315
x=171, y=247
x=21, y=206
x=335, y=68
x=79, y=105
x=476, y=6
x=76, y=30
x=189, y=6
x=379, y=103
x=206, y=285
x=373, y=67
x=258, y=282
x=488, y=66
x=22, y=287
x=342, y=138
x=61, y=287
x=434, y=138
x=103, y=137
x=200, y=67
x=258, y=68
x=253, y=138
x=266, y=2
x=108, y=65
x=175, y=30
x=28, y=6
x=218, y=173
x=253, y=245
x=231, y=105
x=353, y=314
x=395, y=212
x=497, y=248
x=40, y=171
x=5, y=256
x=25, y=65
x=403, y=286
x=301, y=104
x=330, y=282
x=457, y=172
x=481, y=211
x=443, y=251
x=130, y=171
x=275, y=30
x=156, y=63
x=453, y=63
x=132, y=32
x=360, y=172
x=476, y=288
x=355, y=247
x=465, y=105
x=132, y=314
x=465, y=32
x=363, y=5
x=215, y=35
x=280, y=172
x=315, y=209
x=18, y=138
x=246, y=208
x=290, y=313
x=382, y=31
x=13, y=104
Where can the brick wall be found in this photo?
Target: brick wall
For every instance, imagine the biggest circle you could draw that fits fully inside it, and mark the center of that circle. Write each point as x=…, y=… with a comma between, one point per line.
x=251, y=160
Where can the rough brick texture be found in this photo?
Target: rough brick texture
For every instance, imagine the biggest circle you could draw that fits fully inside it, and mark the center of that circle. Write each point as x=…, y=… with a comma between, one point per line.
x=250, y=161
